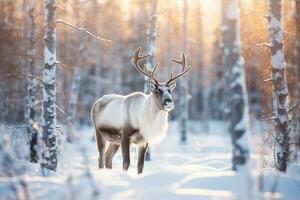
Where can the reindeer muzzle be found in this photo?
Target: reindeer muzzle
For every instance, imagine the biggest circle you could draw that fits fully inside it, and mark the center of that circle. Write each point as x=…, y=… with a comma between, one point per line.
x=168, y=105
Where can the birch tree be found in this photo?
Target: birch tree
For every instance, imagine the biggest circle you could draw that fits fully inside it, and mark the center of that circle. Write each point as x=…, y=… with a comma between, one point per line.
x=280, y=91
x=49, y=154
x=73, y=97
x=31, y=115
x=235, y=81
x=184, y=82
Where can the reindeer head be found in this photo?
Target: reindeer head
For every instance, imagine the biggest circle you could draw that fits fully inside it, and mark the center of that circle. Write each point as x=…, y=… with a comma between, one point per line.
x=161, y=91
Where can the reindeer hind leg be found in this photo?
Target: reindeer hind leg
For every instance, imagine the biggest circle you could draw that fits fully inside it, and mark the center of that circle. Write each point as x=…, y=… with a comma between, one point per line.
x=101, y=144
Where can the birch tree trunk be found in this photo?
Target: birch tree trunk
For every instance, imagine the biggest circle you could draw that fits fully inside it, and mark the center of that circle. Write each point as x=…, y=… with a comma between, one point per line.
x=30, y=37
x=297, y=59
x=49, y=154
x=184, y=82
x=280, y=91
x=235, y=80
x=73, y=97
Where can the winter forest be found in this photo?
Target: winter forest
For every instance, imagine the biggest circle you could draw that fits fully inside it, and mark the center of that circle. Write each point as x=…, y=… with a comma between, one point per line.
x=150, y=99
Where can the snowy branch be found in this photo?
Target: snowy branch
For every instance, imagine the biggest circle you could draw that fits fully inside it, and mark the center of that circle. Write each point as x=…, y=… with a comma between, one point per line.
x=82, y=29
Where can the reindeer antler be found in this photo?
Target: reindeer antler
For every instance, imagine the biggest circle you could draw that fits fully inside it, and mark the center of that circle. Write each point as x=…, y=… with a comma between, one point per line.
x=184, y=69
x=135, y=61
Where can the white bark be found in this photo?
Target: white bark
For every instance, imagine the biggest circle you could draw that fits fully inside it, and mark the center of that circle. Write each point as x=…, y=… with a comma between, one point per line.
x=280, y=91
x=184, y=82
x=49, y=154
x=236, y=87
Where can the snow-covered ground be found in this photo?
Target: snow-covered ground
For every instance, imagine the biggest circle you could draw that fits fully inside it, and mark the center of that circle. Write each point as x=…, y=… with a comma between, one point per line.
x=199, y=169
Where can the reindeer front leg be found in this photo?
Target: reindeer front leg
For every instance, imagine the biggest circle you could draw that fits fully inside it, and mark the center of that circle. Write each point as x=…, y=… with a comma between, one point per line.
x=110, y=152
x=141, y=157
x=125, y=146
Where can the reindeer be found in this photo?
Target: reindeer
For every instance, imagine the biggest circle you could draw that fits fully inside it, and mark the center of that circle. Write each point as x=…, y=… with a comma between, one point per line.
x=136, y=118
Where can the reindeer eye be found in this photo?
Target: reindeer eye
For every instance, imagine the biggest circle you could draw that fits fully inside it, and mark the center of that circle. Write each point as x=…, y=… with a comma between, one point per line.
x=169, y=90
x=159, y=91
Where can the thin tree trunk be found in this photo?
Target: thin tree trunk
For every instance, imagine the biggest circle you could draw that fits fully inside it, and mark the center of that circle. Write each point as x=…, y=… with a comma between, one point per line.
x=151, y=39
x=74, y=93
x=151, y=45
x=184, y=82
x=97, y=54
x=280, y=91
x=30, y=37
x=235, y=80
x=297, y=59
x=217, y=90
x=49, y=153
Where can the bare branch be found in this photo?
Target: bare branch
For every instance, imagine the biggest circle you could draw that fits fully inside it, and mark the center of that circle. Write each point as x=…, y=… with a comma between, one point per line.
x=23, y=74
x=82, y=29
x=15, y=127
x=269, y=119
x=64, y=65
x=261, y=45
x=268, y=80
x=255, y=13
x=58, y=108
x=290, y=33
x=60, y=7
x=293, y=107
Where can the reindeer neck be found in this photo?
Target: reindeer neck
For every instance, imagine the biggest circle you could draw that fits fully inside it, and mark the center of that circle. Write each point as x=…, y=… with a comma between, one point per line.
x=150, y=105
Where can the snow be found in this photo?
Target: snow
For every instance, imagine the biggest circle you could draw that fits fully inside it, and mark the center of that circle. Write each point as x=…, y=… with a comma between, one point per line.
x=199, y=170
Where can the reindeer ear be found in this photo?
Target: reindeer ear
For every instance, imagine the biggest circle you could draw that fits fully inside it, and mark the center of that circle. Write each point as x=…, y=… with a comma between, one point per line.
x=172, y=86
x=152, y=86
